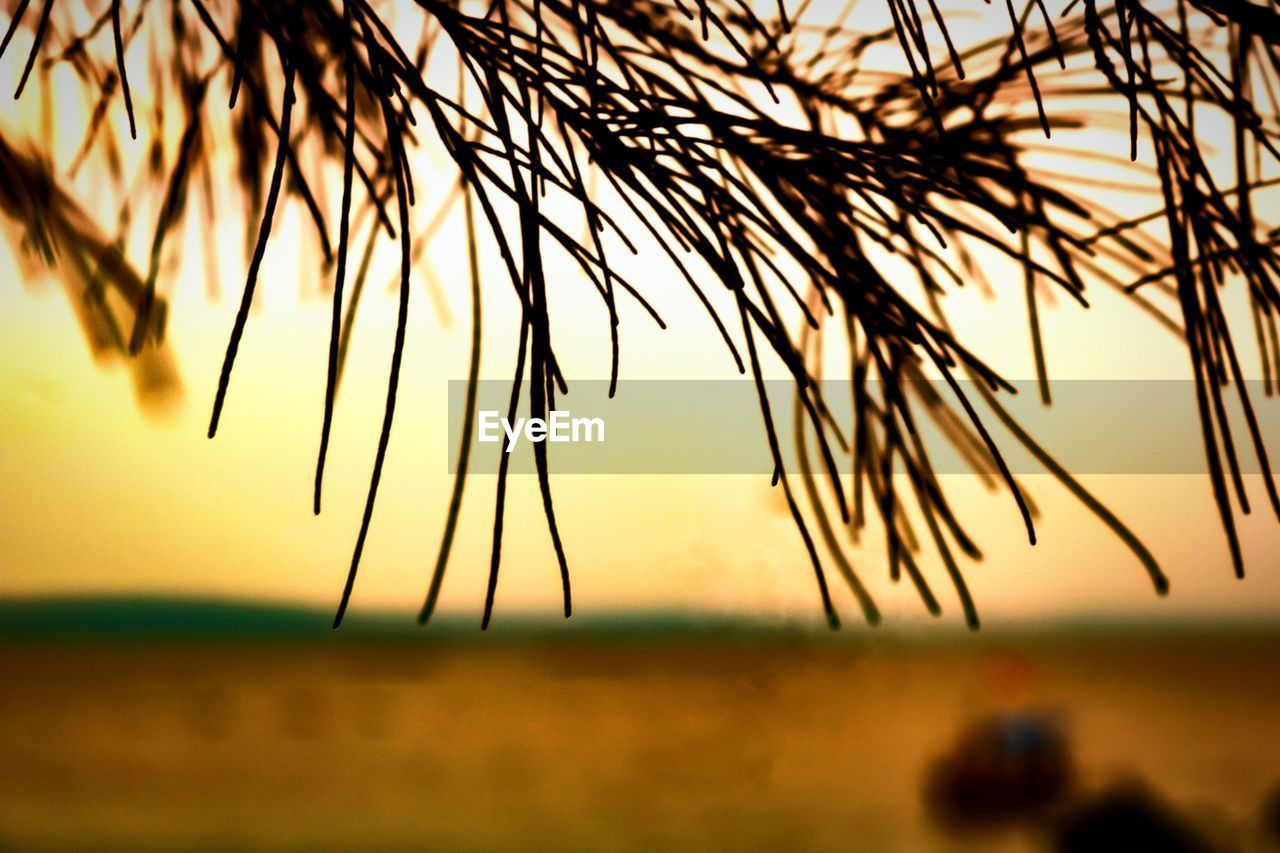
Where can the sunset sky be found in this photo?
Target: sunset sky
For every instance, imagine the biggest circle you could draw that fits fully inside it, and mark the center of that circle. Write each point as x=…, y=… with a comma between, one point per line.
x=99, y=494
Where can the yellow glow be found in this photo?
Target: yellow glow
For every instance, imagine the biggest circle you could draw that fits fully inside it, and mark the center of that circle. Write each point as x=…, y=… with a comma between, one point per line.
x=98, y=495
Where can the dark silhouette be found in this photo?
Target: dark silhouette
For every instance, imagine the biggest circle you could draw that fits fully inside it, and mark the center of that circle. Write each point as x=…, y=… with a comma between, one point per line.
x=675, y=109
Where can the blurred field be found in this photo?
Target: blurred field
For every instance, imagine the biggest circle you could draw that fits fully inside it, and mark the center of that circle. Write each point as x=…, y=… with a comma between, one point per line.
x=731, y=740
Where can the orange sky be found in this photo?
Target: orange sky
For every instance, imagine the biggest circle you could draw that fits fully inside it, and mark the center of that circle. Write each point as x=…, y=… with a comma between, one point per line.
x=97, y=495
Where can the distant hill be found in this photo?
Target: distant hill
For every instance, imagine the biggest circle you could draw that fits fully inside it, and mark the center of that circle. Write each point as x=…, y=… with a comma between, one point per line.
x=139, y=617
x=128, y=617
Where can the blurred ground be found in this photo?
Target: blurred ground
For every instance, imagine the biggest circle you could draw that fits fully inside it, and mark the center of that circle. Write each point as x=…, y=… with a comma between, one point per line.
x=638, y=741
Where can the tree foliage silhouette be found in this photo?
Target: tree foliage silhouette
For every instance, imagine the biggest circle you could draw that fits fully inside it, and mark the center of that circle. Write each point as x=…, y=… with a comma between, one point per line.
x=675, y=107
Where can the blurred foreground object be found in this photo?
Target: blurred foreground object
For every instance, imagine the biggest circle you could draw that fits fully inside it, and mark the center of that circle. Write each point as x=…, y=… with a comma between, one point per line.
x=1016, y=770
x=1008, y=768
x=1271, y=820
x=1128, y=819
